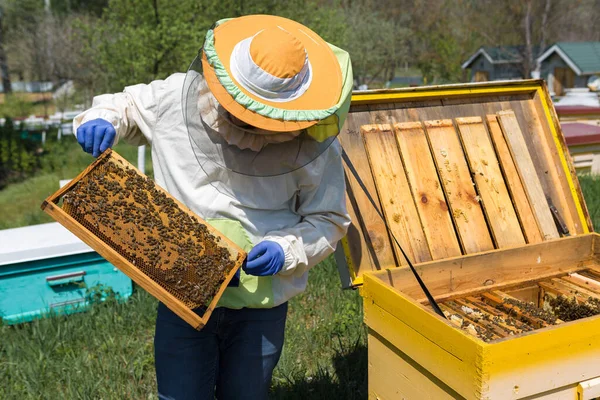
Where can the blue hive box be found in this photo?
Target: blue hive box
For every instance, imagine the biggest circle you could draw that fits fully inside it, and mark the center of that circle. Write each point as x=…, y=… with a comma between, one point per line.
x=46, y=269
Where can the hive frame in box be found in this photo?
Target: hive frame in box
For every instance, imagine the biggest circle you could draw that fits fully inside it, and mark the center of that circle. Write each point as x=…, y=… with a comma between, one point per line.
x=51, y=207
x=417, y=354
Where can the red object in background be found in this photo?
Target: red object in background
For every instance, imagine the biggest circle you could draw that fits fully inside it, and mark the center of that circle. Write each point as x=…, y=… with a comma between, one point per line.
x=577, y=133
x=576, y=110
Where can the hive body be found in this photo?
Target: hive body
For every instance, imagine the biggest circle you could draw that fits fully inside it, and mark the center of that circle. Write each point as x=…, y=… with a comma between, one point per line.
x=476, y=184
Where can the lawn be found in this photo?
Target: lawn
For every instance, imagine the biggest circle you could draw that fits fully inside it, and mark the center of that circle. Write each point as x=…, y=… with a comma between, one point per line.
x=107, y=353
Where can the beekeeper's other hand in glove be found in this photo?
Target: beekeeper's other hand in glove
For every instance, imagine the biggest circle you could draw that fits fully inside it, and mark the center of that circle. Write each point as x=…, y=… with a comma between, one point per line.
x=96, y=136
x=266, y=258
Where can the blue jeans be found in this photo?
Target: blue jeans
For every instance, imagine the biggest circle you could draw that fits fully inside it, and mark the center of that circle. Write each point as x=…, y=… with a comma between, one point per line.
x=232, y=357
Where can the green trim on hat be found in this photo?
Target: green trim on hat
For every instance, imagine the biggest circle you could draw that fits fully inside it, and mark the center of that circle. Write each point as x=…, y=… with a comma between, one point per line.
x=332, y=125
x=328, y=118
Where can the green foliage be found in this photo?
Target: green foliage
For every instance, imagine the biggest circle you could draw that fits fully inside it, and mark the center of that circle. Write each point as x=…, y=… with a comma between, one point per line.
x=377, y=45
x=15, y=106
x=100, y=294
x=66, y=7
x=443, y=63
x=590, y=186
x=17, y=155
x=21, y=12
x=444, y=37
x=137, y=41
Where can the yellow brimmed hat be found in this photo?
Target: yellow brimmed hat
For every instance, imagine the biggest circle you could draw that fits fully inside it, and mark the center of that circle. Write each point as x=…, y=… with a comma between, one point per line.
x=278, y=75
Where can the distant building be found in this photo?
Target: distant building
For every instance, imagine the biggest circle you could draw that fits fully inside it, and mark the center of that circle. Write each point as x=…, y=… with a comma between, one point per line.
x=570, y=65
x=495, y=63
x=29, y=87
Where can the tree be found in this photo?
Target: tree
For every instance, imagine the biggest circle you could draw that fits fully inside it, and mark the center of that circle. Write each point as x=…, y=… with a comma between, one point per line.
x=3, y=64
x=533, y=25
x=444, y=34
x=70, y=7
x=377, y=46
x=137, y=41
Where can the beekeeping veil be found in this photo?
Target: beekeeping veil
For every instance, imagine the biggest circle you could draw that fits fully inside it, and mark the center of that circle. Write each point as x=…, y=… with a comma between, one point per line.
x=265, y=96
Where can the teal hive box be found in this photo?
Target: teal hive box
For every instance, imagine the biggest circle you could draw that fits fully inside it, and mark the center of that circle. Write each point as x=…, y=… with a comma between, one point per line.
x=45, y=269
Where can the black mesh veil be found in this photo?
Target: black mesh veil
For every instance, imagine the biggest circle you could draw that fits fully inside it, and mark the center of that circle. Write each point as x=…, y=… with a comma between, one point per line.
x=217, y=139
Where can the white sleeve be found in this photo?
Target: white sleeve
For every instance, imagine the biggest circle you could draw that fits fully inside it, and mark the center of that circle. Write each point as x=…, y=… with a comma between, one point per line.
x=133, y=112
x=325, y=219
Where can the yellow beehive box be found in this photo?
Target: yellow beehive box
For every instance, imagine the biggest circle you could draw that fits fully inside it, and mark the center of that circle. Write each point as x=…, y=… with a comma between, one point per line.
x=476, y=184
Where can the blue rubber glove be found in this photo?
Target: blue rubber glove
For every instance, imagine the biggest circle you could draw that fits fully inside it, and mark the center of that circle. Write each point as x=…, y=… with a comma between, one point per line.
x=266, y=258
x=96, y=136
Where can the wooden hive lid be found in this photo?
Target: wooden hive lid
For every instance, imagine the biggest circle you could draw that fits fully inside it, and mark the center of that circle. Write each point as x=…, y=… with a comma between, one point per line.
x=455, y=170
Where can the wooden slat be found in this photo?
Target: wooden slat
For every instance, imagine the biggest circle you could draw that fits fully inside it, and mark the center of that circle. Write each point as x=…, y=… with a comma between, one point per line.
x=495, y=199
x=527, y=172
x=492, y=317
x=477, y=319
x=559, y=190
x=494, y=269
x=565, y=282
x=593, y=272
x=458, y=186
x=513, y=181
x=426, y=190
x=583, y=281
x=394, y=192
x=497, y=299
x=478, y=329
x=370, y=226
x=554, y=290
x=499, y=316
x=528, y=293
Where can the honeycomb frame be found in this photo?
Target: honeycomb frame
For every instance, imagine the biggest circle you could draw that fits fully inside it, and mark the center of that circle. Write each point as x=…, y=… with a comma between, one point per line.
x=149, y=235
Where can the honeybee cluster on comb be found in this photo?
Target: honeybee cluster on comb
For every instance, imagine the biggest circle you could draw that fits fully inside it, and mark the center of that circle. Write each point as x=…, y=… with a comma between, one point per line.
x=127, y=211
x=497, y=314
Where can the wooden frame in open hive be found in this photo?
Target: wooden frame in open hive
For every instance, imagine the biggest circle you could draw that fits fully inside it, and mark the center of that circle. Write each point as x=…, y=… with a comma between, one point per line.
x=158, y=250
x=399, y=142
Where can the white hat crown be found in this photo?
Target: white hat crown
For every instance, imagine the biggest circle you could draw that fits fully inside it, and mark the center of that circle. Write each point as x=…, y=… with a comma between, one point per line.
x=263, y=84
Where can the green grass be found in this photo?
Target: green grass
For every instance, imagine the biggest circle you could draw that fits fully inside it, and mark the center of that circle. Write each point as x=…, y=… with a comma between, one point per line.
x=107, y=352
x=104, y=353
x=325, y=352
x=590, y=186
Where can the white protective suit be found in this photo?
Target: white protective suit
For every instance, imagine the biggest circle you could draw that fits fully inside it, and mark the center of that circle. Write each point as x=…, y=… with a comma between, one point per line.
x=304, y=211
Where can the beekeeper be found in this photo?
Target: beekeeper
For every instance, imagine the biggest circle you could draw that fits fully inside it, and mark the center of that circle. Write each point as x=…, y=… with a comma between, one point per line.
x=246, y=139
